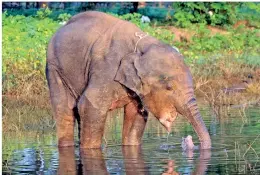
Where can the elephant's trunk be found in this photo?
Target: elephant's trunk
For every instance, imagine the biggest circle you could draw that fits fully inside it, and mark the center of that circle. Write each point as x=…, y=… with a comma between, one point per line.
x=190, y=110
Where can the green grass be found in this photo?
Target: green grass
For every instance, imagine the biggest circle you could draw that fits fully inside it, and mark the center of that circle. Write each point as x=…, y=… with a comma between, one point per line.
x=24, y=53
x=25, y=40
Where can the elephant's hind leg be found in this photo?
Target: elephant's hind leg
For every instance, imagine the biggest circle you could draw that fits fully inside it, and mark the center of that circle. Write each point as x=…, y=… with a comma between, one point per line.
x=62, y=104
x=134, y=125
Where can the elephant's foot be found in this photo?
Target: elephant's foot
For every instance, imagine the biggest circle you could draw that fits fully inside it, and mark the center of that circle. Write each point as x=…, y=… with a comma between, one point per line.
x=64, y=143
x=90, y=145
x=65, y=131
x=91, y=134
x=134, y=125
x=131, y=141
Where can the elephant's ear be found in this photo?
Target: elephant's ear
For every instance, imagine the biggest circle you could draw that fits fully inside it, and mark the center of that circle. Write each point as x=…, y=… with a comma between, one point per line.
x=128, y=74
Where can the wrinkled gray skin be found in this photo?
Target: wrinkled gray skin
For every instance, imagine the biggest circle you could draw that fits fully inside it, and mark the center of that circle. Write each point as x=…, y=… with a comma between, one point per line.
x=92, y=67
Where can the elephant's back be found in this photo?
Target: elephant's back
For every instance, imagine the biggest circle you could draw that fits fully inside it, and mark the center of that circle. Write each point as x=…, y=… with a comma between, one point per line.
x=73, y=40
x=93, y=16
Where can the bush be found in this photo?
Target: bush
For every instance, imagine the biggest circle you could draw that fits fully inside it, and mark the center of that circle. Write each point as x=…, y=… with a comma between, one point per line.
x=218, y=13
x=43, y=13
x=64, y=17
x=24, y=53
x=119, y=8
x=156, y=13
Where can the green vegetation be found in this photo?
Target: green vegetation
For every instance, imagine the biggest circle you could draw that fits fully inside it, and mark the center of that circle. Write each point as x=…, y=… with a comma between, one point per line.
x=204, y=43
x=25, y=40
x=24, y=53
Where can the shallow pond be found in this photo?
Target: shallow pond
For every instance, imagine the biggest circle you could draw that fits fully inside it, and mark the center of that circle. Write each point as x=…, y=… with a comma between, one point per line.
x=235, y=138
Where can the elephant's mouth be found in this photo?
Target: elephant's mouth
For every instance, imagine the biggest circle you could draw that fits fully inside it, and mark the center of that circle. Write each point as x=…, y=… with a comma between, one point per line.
x=167, y=120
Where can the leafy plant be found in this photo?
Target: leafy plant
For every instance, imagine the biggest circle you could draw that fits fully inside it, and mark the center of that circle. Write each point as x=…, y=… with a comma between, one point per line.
x=156, y=13
x=43, y=13
x=217, y=13
x=24, y=53
x=64, y=17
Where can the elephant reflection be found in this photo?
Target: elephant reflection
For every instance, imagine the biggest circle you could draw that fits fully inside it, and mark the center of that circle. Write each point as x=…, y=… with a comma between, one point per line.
x=200, y=168
x=170, y=169
x=93, y=162
x=67, y=161
x=134, y=161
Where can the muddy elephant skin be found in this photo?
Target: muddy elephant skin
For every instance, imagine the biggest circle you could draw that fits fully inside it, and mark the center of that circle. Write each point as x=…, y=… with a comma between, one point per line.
x=97, y=63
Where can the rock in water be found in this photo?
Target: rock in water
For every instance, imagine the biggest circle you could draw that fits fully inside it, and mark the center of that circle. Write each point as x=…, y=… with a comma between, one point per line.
x=187, y=143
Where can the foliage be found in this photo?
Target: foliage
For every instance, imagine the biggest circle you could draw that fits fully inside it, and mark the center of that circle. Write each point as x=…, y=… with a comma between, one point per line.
x=156, y=12
x=23, y=12
x=249, y=11
x=216, y=13
x=119, y=8
x=52, y=14
x=162, y=34
x=25, y=41
x=64, y=17
x=24, y=53
x=251, y=7
x=43, y=13
x=238, y=40
x=134, y=18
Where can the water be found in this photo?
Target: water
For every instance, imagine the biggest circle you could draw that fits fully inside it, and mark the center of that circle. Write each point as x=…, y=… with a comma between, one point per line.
x=235, y=149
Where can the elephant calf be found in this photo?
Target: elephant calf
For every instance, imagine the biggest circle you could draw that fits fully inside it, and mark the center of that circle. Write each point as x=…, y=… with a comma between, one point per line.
x=97, y=63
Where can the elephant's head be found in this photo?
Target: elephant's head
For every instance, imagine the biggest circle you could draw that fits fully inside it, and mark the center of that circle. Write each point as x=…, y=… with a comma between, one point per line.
x=163, y=82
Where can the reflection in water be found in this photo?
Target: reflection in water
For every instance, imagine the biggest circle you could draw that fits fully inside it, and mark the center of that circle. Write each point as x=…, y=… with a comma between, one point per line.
x=93, y=162
x=170, y=168
x=236, y=150
x=134, y=161
x=201, y=166
x=67, y=162
x=27, y=162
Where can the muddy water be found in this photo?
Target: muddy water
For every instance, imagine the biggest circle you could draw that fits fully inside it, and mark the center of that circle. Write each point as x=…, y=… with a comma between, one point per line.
x=235, y=140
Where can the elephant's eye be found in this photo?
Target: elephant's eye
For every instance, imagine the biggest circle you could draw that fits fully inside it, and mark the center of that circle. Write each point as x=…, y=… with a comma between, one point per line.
x=169, y=87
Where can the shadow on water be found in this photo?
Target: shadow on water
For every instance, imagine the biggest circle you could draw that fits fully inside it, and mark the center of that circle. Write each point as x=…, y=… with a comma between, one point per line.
x=93, y=162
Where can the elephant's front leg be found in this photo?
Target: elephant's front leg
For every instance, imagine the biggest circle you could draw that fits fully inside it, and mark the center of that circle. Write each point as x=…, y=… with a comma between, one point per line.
x=134, y=125
x=92, y=123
